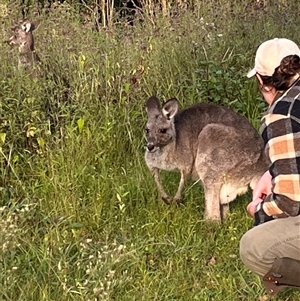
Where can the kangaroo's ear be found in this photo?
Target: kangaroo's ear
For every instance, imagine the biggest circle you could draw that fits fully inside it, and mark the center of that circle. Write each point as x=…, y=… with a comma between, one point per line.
x=170, y=108
x=30, y=26
x=35, y=25
x=152, y=105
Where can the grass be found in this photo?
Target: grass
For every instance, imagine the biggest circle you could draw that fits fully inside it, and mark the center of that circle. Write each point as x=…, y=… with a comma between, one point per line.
x=80, y=214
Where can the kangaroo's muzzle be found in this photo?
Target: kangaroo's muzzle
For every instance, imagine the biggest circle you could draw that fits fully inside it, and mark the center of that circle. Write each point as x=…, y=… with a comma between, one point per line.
x=151, y=147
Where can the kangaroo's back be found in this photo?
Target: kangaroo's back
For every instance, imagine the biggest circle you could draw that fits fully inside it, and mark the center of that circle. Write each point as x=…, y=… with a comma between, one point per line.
x=191, y=121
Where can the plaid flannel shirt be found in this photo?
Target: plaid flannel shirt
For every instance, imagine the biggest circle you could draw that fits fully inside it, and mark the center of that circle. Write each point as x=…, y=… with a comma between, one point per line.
x=281, y=132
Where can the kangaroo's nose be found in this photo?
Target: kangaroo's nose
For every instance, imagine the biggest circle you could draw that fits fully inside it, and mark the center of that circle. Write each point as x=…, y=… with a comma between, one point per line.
x=150, y=147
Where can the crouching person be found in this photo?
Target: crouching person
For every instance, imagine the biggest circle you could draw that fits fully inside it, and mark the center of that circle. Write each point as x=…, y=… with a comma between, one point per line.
x=271, y=248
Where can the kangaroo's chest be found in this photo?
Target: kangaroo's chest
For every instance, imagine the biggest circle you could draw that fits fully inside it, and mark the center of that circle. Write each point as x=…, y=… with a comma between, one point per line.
x=161, y=160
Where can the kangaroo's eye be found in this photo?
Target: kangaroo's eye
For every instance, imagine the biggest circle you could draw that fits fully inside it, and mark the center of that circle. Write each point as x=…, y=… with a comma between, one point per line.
x=163, y=131
x=146, y=130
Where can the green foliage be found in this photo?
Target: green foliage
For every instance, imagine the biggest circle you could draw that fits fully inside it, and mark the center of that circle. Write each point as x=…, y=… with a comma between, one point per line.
x=80, y=217
x=225, y=83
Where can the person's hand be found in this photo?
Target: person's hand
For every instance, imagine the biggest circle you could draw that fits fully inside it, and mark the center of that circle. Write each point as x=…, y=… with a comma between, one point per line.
x=252, y=207
x=260, y=191
x=263, y=187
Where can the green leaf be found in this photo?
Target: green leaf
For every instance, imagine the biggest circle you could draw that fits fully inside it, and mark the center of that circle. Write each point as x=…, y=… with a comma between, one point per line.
x=80, y=124
x=75, y=226
x=2, y=137
x=41, y=142
x=126, y=87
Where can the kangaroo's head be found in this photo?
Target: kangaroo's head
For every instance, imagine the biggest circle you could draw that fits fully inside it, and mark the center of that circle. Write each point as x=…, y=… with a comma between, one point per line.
x=160, y=128
x=23, y=37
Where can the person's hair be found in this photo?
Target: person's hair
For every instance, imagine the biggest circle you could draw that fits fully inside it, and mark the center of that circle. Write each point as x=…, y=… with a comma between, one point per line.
x=282, y=78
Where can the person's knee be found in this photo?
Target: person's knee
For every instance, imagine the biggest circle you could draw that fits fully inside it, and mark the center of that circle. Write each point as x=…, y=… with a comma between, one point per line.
x=261, y=245
x=251, y=252
x=246, y=253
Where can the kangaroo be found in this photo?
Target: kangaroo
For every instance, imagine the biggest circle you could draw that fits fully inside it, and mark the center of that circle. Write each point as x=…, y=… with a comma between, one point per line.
x=209, y=142
x=23, y=38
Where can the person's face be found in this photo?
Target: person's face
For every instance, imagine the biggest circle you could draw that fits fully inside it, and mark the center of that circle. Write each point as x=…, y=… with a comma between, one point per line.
x=268, y=92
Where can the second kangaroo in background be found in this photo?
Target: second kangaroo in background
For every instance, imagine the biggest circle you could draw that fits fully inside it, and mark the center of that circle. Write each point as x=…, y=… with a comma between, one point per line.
x=23, y=38
x=209, y=142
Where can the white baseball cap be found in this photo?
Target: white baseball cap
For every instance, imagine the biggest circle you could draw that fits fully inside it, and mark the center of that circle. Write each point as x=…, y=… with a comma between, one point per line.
x=269, y=55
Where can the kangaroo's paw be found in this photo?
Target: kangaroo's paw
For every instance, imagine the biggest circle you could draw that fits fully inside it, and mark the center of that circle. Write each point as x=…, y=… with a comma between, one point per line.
x=179, y=201
x=167, y=199
x=213, y=218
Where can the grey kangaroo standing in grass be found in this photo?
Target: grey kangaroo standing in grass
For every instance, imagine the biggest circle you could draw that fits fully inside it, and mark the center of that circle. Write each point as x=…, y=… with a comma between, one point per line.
x=23, y=38
x=209, y=142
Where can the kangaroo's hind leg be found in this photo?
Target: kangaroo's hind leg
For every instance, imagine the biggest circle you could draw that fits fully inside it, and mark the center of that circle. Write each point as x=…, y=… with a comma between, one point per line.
x=224, y=208
x=212, y=200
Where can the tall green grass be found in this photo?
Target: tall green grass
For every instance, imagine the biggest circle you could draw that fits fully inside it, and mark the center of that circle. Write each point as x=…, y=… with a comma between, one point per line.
x=81, y=218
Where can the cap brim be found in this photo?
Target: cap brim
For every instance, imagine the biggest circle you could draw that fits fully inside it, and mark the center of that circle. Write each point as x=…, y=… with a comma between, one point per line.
x=251, y=73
